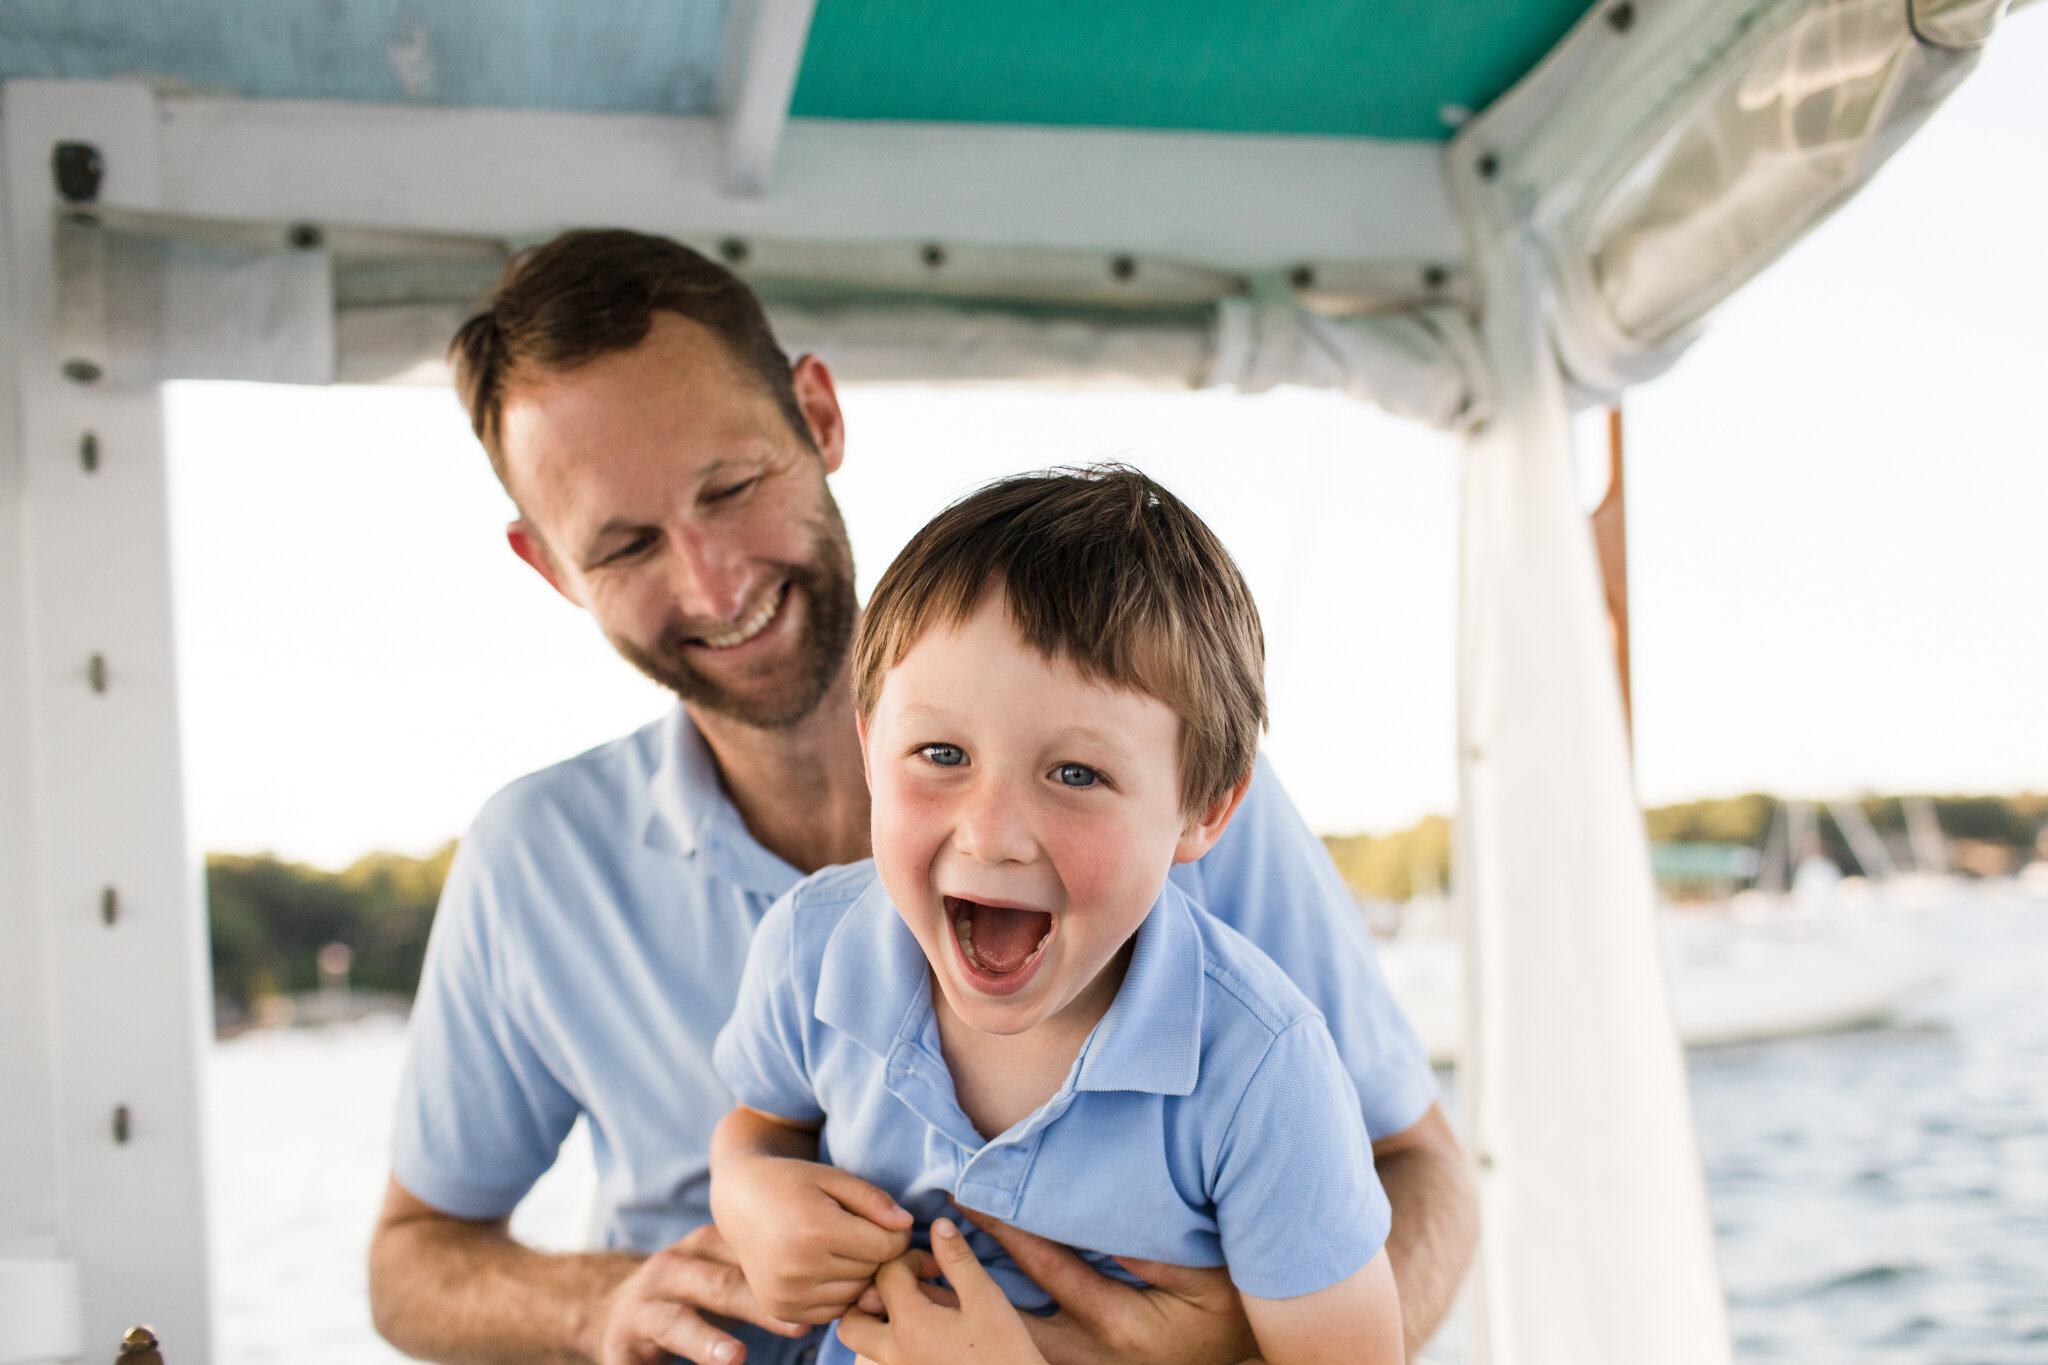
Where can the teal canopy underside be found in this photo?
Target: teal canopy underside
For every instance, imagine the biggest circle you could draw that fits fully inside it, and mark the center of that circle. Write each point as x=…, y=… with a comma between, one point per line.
x=1339, y=68
x=1343, y=68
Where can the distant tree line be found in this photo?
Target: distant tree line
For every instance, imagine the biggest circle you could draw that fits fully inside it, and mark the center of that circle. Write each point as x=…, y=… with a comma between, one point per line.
x=1983, y=833
x=271, y=918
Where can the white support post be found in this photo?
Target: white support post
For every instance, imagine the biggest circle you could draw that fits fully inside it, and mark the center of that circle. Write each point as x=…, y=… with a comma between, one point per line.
x=764, y=50
x=1596, y=1245
x=98, y=890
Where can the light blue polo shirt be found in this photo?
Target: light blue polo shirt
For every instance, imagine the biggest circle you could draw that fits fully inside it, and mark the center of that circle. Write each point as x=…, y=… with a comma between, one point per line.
x=1207, y=1120
x=589, y=946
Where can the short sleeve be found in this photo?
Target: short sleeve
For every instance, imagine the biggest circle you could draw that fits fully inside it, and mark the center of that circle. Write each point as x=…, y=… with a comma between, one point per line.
x=1298, y=1205
x=480, y=1115
x=760, y=1051
x=1270, y=878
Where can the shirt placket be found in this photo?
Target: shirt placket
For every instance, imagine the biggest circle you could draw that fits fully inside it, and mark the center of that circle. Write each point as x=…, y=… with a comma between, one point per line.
x=992, y=1174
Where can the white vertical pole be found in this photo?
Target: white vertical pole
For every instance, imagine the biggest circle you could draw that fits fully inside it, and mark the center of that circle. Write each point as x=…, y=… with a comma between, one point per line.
x=1596, y=1246
x=94, y=790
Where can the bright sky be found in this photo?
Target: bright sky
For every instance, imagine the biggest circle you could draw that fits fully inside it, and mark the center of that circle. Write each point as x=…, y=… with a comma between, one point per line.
x=1837, y=505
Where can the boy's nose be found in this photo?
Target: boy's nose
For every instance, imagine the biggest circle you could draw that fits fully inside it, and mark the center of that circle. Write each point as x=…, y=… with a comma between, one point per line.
x=992, y=826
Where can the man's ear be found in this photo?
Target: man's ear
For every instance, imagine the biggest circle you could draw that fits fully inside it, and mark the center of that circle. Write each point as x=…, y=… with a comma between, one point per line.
x=818, y=401
x=527, y=544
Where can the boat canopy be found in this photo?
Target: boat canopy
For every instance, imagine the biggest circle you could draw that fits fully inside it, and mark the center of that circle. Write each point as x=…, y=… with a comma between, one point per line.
x=1225, y=192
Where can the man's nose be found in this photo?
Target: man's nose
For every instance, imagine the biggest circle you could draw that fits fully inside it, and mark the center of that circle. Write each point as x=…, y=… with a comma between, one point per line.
x=994, y=825
x=706, y=577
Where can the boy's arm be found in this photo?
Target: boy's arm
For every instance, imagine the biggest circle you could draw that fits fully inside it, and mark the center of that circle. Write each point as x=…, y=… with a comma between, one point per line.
x=1356, y=1321
x=808, y=1236
x=1312, y=929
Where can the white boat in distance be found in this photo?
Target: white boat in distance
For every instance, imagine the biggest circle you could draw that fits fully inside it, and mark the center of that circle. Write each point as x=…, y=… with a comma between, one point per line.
x=1758, y=966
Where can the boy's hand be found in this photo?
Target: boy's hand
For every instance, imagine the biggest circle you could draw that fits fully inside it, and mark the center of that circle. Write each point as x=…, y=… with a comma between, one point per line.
x=809, y=1237
x=925, y=1327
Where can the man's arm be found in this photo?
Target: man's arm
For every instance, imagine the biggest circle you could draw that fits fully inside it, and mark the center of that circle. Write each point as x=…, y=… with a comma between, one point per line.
x=1436, y=1221
x=464, y=1293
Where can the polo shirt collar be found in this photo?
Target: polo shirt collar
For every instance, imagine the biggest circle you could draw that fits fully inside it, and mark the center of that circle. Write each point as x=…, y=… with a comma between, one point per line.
x=1151, y=1038
x=692, y=814
x=875, y=986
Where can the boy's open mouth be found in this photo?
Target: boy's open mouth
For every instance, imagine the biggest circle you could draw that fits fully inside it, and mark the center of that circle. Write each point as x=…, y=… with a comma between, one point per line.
x=998, y=941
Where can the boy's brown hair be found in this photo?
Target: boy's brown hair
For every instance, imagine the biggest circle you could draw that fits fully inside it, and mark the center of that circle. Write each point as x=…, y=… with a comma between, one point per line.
x=595, y=291
x=1105, y=569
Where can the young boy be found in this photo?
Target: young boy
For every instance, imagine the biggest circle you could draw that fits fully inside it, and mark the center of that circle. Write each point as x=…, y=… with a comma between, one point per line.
x=1059, y=684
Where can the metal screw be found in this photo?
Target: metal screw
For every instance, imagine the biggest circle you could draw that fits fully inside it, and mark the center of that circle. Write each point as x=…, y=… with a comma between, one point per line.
x=934, y=255
x=305, y=236
x=138, y=1339
x=1435, y=277
x=96, y=672
x=734, y=250
x=89, y=452
x=1302, y=277
x=77, y=168
x=1488, y=166
x=81, y=371
x=1622, y=17
x=110, y=905
x=121, y=1125
x=1122, y=267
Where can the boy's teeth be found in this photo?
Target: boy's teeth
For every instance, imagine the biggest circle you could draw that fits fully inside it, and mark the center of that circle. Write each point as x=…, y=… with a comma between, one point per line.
x=963, y=929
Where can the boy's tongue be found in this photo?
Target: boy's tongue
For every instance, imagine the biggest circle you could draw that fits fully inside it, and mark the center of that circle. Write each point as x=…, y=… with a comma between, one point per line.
x=1003, y=939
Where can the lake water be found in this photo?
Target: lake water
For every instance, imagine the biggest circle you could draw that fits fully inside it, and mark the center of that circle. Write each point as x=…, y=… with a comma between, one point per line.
x=1880, y=1197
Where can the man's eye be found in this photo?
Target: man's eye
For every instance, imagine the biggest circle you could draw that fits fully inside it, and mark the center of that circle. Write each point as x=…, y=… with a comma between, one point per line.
x=1076, y=775
x=945, y=755
x=638, y=545
x=731, y=491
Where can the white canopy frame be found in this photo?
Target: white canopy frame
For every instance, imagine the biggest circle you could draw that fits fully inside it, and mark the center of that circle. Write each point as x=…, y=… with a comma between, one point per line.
x=1331, y=261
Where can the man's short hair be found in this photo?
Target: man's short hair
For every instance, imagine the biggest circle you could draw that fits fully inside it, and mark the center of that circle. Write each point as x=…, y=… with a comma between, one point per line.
x=592, y=292
x=1105, y=569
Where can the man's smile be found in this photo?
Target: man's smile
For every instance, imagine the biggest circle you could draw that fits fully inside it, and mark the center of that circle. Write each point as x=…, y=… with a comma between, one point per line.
x=749, y=626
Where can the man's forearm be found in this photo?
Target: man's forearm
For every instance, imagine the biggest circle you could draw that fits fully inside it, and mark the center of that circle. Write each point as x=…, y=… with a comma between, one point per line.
x=1436, y=1222
x=465, y=1293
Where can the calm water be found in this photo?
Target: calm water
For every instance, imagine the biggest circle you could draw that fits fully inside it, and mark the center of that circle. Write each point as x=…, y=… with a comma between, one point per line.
x=1881, y=1197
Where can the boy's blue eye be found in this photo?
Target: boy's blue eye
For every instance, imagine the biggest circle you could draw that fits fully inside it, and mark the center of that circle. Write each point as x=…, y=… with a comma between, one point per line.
x=1077, y=775
x=945, y=755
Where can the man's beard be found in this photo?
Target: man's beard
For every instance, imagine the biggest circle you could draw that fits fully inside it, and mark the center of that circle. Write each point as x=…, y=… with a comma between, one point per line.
x=825, y=582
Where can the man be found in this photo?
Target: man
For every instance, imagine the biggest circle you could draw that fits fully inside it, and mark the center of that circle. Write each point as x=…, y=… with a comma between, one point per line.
x=669, y=466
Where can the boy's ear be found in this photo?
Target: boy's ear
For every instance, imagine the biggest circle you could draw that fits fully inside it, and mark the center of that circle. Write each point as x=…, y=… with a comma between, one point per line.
x=1201, y=832
x=860, y=727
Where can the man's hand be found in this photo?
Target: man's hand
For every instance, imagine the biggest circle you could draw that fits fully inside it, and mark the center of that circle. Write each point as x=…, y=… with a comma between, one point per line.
x=1190, y=1316
x=461, y=1291
x=972, y=1325
x=810, y=1237
x=673, y=1303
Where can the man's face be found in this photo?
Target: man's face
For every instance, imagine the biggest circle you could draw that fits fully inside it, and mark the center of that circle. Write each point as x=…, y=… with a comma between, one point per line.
x=1024, y=819
x=663, y=489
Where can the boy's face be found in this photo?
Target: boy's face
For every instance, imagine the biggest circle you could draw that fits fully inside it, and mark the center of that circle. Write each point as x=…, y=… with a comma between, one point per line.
x=1024, y=819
